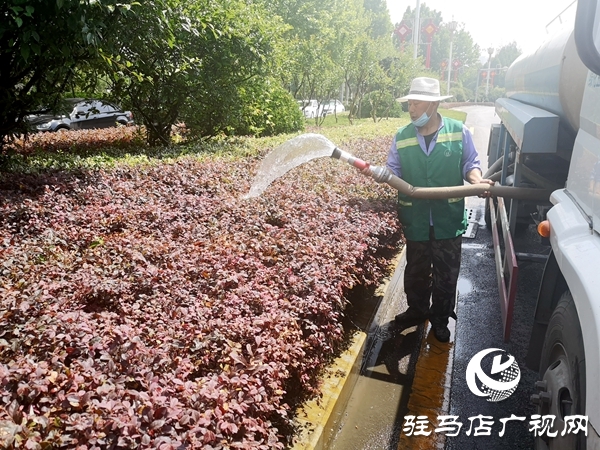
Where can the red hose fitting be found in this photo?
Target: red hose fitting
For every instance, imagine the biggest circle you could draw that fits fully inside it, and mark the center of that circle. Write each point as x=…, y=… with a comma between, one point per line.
x=359, y=163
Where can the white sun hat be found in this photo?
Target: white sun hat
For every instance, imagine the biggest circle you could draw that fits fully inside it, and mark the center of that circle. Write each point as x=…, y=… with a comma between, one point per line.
x=424, y=89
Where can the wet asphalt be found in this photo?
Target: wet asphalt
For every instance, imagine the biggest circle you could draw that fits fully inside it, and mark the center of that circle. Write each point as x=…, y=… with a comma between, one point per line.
x=384, y=394
x=480, y=325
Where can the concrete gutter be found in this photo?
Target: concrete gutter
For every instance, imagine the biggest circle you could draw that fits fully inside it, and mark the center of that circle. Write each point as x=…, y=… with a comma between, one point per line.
x=430, y=393
x=316, y=418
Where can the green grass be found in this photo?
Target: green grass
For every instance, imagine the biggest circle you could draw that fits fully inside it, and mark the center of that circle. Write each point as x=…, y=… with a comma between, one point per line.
x=453, y=114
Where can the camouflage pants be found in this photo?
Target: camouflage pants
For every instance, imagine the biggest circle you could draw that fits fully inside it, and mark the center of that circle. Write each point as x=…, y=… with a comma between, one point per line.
x=432, y=272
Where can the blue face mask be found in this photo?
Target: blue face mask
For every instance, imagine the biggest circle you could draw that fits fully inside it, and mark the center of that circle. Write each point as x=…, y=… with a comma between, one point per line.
x=422, y=121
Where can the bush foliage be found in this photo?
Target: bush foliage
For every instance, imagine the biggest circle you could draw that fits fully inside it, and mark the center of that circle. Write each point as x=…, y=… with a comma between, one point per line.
x=155, y=307
x=79, y=142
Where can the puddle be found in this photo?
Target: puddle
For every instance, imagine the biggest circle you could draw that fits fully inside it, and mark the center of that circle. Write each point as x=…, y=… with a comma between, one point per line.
x=464, y=286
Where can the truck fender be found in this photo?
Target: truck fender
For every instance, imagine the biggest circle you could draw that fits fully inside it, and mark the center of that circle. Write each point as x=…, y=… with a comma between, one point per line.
x=576, y=252
x=552, y=287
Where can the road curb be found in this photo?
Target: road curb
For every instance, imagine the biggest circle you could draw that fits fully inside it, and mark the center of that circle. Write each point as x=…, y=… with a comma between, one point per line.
x=317, y=419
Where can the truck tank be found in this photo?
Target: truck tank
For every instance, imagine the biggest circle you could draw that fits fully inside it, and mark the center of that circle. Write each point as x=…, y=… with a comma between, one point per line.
x=552, y=78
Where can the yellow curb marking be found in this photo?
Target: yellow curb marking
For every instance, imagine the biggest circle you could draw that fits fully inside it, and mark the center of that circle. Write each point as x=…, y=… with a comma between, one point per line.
x=430, y=394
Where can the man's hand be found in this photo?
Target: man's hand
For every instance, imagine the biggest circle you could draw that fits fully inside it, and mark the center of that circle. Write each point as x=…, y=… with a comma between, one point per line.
x=474, y=177
x=366, y=171
x=486, y=194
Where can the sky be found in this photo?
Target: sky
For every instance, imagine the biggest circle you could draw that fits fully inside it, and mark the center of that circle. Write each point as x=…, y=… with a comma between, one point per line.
x=495, y=24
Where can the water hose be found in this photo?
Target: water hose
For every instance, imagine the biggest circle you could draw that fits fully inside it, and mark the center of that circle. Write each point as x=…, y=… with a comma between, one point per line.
x=494, y=167
x=383, y=175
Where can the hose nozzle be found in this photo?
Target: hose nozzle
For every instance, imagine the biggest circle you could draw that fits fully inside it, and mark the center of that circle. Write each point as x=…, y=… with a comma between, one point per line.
x=337, y=153
x=381, y=174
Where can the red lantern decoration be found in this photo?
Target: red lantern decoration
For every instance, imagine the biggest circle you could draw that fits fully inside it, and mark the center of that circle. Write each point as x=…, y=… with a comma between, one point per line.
x=403, y=31
x=429, y=29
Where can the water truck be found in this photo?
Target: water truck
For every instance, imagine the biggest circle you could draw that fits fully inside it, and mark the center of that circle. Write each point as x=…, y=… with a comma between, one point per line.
x=549, y=137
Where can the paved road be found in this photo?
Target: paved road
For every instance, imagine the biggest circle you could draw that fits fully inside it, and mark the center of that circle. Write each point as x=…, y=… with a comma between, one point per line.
x=480, y=326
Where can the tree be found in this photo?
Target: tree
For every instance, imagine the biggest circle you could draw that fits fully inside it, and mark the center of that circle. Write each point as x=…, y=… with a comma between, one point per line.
x=464, y=51
x=202, y=63
x=501, y=61
x=477, y=79
x=381, y=25
x=506, y=55
x=42, y=43
x=318, y=32
x=358, y=55
x=394, y=81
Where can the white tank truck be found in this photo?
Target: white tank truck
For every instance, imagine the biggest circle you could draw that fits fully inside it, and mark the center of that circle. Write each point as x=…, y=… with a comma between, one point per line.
x=549, y=137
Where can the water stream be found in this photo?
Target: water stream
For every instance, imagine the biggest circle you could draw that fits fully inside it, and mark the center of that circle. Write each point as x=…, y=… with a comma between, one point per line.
x=288, y=155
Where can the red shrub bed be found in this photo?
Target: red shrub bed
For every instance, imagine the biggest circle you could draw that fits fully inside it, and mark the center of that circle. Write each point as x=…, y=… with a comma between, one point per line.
x=80, y=141
x=156, y=308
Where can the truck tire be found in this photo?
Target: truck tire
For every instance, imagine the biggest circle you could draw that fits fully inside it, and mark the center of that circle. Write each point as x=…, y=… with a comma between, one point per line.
x=562, y=375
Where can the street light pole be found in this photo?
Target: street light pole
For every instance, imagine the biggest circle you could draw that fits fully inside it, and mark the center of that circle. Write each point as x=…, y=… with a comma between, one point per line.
x=417, y=30
x=452, y=27
x=487, y=84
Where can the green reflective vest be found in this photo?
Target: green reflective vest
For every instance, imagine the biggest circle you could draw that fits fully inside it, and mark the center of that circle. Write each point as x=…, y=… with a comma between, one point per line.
x=442, y=167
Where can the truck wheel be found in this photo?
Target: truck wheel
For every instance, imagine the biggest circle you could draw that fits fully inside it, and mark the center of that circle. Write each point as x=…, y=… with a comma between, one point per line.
x=562, y=373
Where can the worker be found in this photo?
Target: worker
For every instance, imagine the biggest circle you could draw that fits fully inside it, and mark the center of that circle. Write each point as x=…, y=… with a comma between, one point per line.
x=432, y=151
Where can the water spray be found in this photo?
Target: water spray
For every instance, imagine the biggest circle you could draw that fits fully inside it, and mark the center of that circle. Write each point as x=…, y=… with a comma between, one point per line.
x=309, y=146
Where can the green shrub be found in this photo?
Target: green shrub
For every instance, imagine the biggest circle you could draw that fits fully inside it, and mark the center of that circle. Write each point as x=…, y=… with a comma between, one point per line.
x=268, y=110
x=460, y=93
x=384, y=103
